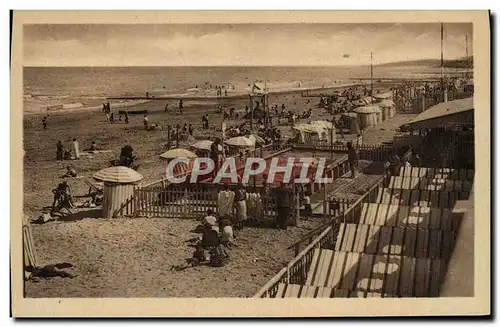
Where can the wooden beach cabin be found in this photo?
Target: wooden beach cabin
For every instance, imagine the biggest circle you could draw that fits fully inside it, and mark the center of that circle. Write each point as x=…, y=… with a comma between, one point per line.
x=119, y=183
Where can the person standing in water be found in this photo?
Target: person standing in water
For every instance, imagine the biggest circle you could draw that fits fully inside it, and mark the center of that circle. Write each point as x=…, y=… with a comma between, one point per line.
x=76, y=148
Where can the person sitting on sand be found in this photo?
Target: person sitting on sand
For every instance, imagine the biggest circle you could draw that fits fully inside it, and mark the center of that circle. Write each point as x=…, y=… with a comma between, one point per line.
x=126, y=155
x=227, y=233
x=93, y=146
x=145, y=121
x=70, y=172
x=62, y=196
x=60, y=151
x=209, y=219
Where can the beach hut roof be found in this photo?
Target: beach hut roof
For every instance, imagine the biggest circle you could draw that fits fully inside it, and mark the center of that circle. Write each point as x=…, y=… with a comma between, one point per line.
x=446, y=114
x=178, y=153
x=386, y=103
x=385, y=95
x=118, y=174
x=367, y=110
x=202, y=145
x=241, y=141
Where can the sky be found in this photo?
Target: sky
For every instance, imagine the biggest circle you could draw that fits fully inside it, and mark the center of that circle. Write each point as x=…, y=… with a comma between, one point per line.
x=239, y=44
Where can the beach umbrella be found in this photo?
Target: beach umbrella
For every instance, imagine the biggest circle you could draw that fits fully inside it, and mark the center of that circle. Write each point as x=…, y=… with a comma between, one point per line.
x=118, y=174
x=256, y=139
x=202, y=145
x=240, y=141
x=178, y=153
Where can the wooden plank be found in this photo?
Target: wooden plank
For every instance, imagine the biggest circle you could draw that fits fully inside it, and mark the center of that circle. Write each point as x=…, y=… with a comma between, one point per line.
x=281, y=291
x=397, y=241
x=403, y=213
x=425, y=217
x=438, y=270
x=462, y=174
x=381, y=215
x=407, y=277
x=338, y=267
x=424, y=198
x=364, y=211
x=350, y=271
x=447, y=245
x=446, y=219
x=405, y=197
x=324, y=268
x=325, y=292
x=435, y=218
x=364, y=272
x=414, y=197
x=410, y=242
x=470, y=174
x=392, y=214
x=350, y=235
x=372, y=214
x=378, y=272
x=392, y=276
x=361, y=236
x=435, y=243
x=413, y=217
x=423, y=267
x=309, y=292
x=395, y=197
x=444, y=200
x=422, y=243
x=313, y=270
x=340, y=293
x=434, y=199
x=294, y=290
x=372, y=239
x=384, y=243
x=340, y=237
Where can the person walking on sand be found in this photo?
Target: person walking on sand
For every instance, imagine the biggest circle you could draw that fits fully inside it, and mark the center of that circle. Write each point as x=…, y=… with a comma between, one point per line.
x=76, y=148
x=126, y=117
x=190, y=129
x=352, y=157
x=283, y=205
x=60, y=151
x=44, y=123
x=240, y=203
x=166, y=107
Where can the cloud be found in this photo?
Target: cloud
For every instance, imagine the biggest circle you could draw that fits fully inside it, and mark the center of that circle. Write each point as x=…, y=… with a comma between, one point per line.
x=263, y=45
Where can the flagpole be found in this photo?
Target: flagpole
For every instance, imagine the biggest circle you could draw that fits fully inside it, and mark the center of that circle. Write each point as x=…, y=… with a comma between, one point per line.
x=442, y=62
x=371, y=75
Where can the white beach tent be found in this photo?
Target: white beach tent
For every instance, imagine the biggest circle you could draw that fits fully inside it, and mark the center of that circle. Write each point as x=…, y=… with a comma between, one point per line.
x=202, y=145
x=241, y=141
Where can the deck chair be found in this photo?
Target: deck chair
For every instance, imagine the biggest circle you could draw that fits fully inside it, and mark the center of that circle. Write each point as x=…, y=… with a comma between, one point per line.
x=94, y=187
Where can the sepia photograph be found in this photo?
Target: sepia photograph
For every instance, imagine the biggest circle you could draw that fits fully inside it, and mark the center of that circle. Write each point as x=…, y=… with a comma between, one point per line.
x=252, y=158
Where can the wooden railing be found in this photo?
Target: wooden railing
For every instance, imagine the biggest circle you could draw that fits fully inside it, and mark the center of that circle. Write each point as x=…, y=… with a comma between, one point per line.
x=350, y=215
x=296, y=271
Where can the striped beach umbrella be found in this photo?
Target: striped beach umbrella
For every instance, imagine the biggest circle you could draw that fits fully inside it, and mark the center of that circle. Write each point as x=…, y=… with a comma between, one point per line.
x=118, y=174
x=241, y=141
x=178, y=153
x=202, y=145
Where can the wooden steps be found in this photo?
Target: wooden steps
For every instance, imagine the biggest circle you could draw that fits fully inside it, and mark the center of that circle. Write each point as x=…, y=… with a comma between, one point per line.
x=431, y=184
x=389, y=275
x=379, y=214
x=422, y=198
x=387, y=240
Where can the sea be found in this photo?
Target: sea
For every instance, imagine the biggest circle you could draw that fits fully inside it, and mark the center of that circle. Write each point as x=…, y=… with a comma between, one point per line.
x=86, y=88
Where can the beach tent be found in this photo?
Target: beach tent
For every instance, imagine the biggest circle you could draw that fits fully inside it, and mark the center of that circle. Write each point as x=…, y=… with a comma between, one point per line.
x=353, y=121
x=119, y=183
x=314, y=132
x=388, y=108
x=367, y=116
x=378, y=114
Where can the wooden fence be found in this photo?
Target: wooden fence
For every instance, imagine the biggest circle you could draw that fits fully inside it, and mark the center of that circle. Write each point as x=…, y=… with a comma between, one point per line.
x=377, y=152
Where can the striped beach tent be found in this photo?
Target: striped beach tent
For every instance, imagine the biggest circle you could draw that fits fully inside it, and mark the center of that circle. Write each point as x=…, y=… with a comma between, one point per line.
x=30, y=257
x=118, y=174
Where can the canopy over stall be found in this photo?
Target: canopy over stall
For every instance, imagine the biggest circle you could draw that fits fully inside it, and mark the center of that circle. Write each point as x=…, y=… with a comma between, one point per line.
x=446, y=114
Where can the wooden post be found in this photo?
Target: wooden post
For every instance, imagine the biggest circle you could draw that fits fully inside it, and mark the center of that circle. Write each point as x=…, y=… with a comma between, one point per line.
x=325, y=201
x=297, y=207
x=177, y=135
